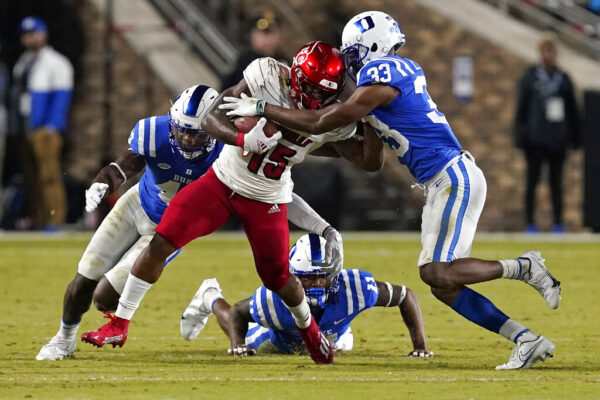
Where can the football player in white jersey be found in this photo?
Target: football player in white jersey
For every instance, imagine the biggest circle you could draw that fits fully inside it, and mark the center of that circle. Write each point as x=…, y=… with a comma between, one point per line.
x=251, y=179
x=262, y=323
x=175, y=151
x=391, y=95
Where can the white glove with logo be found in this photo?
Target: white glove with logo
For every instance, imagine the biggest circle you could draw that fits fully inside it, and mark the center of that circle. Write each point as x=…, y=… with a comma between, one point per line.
x=334, y=252
x=94, y=195
x=243, y=106
x=256, y=141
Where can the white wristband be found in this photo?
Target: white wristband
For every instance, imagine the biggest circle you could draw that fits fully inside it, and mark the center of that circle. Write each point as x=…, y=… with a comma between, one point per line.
x=118, y=167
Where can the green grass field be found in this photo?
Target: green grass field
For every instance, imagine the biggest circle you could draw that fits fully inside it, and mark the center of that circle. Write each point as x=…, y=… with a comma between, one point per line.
x=157, y=363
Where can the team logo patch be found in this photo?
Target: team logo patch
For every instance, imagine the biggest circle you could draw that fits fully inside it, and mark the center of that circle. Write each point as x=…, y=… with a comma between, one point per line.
x=164, y=166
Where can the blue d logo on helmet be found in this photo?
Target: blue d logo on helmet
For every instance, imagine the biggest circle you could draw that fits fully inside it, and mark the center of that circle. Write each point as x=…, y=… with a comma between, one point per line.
x=364, y=24
x=33, y=24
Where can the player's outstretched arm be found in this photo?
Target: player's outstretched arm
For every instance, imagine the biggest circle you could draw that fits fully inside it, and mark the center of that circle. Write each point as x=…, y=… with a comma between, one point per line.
x=360, y=103
x=364, y=150
x=112, y=176
x=391, y=295
x=238, y=327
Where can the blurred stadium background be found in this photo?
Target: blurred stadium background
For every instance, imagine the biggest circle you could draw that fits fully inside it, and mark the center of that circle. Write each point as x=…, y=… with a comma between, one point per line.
x=132, y=56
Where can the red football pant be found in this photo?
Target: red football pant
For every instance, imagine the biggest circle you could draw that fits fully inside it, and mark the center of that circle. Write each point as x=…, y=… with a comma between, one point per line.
x=206, y=204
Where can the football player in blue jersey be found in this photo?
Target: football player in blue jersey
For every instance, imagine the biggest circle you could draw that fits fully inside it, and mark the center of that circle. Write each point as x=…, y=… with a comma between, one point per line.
x=263, y=323
x=174, y=151
x=391, y=95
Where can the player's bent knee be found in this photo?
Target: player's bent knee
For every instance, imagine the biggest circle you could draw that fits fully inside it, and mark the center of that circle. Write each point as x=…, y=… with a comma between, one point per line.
x=435, y=274
x=106, y=297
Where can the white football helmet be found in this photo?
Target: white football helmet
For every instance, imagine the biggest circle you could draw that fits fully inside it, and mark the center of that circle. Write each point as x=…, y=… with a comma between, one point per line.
x=185, y=117
x=306, y=258
x=367, y=36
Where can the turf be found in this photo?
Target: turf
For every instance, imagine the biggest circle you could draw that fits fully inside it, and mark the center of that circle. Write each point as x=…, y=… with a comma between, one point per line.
x=157, y=363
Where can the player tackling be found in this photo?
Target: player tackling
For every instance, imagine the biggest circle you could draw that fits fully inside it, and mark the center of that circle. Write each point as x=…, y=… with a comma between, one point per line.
x=391, y=95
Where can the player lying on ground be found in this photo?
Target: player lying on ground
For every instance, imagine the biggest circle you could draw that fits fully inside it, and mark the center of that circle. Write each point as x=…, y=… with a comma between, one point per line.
x=391, y=95
x=255, y=187
x=262, y=323
x=175, y=151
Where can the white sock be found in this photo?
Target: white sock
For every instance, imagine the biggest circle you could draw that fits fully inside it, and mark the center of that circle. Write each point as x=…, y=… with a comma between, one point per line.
x=301, y=314
x=516, y=332
x=210, y=297
x=515, y=268
x=68, y=332
x=133, y=293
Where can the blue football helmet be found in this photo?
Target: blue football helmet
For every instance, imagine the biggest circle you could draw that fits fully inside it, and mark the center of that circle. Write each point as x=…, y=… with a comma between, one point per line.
x=367, y=36
x=306, y=259
x=185, y=117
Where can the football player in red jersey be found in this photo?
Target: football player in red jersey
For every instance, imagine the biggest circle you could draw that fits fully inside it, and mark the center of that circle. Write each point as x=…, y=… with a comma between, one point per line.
x=255, y=187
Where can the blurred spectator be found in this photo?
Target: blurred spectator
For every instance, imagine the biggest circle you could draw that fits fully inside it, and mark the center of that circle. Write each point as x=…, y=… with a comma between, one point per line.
x=40, y=99
x=264, y=41
x=4, y=82
x=546, y=124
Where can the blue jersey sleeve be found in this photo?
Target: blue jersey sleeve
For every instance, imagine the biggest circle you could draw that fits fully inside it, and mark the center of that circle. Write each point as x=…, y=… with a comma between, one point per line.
x=134, y=139
x=144, y=138
x=360, y=290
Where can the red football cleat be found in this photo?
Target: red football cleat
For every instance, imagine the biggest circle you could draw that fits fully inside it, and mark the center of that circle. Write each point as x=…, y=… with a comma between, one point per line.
x=318, y=346
x=114, y=332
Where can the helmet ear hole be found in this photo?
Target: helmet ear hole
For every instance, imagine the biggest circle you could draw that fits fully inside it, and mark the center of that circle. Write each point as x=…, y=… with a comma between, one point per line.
x=374, y=47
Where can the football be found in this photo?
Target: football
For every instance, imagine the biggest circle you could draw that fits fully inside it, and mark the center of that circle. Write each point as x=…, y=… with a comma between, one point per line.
x=245, y=124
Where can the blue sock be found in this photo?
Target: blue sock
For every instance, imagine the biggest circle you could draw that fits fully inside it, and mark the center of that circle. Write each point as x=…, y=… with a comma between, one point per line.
x=479, y=310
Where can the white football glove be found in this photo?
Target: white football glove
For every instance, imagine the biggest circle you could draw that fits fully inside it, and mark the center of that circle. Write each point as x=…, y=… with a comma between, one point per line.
x=420, y=354
x=243, y=106
x=334, y=252
x=241, y=351
x=257, y=142
x=94, y=195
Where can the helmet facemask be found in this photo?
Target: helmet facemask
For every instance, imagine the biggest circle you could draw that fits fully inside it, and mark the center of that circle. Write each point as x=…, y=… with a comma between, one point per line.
x=306, y=262
x=191, y=143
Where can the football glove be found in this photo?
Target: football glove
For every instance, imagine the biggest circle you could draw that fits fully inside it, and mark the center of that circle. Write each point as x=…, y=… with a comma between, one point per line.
x=243, y=106
x=334, y=252
x=256, y=141
x=94, y=195
x=241, y=351
x=420, y=354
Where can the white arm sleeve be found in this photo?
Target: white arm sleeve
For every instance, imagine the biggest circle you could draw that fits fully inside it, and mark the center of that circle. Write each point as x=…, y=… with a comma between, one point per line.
x=304, y=217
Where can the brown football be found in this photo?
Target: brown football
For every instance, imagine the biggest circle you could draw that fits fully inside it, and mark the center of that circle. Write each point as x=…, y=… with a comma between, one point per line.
x=245, y=124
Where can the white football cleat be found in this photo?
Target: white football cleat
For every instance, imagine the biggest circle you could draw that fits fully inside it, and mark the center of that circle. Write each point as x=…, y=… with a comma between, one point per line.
x=541, y=279
x=57, y=349
x=196, y=314
x=528, y=353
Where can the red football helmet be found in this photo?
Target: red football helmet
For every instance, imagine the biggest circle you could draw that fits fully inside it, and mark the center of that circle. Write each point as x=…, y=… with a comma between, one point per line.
x=317, y=76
